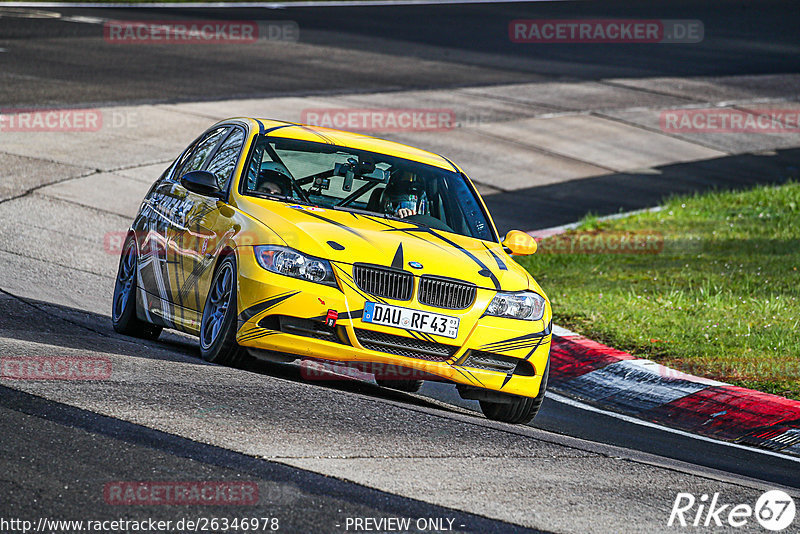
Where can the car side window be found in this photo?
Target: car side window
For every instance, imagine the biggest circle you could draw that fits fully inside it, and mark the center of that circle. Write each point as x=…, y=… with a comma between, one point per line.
x=201, y=152
x=224, y=161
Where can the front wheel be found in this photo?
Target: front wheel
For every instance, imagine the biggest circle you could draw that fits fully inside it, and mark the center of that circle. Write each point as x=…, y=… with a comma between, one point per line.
x=520, y=410
x=218, y=325
x=123, y=312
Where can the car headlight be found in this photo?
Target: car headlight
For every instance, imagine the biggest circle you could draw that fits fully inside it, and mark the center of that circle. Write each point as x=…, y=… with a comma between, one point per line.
x=525, y=305
x=289, y=262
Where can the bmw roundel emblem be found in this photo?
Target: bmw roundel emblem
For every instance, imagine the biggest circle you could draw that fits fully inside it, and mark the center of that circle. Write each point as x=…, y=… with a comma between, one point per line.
x=415, y=264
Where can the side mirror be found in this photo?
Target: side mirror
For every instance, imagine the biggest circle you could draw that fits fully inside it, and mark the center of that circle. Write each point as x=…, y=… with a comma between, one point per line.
x=519, y=243
x=201, y=182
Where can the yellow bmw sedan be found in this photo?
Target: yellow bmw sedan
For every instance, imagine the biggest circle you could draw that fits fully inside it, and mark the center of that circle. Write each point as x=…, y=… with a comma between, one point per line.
x=282, y=241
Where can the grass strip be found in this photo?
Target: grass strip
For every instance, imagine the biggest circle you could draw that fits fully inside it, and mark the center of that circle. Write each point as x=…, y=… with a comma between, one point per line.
x=709, y=285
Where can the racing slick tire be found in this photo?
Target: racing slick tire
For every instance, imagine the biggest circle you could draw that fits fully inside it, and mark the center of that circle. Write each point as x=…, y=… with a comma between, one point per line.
x=218, y=325
x=123, y=313
x=520, y=410
x=409, y=386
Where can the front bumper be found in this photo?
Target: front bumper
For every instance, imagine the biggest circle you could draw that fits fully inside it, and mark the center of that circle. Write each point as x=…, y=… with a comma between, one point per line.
x=287, y=315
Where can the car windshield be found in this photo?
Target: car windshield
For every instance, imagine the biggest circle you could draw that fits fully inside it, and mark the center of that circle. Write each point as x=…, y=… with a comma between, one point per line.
x=336, y=177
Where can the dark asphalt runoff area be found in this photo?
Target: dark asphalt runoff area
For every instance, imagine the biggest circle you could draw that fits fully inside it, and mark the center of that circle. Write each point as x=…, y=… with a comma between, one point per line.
x=323, y=452
x=51, y=62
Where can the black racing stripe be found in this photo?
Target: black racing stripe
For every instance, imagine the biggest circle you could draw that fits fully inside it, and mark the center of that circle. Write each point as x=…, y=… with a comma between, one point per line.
x=379, y=220
x=267, y=132
x=258, y=335
x=250, y=330
x=427, y=337
x=526, y=337
x=410, y=232
x=255, y=309
x=507, y=378
x=500, y=264
x=397, y=261
x=335, y=223
x=191, y=281
x=511, y=372
x=260, y=127
x=469, y=375
x=510, y=348
x=305, y=127
x=354, y=288
x=455, y=245
x=470, y=255
x=533, y=349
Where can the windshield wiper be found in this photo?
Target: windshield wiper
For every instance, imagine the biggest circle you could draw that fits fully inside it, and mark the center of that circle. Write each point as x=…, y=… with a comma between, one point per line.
x=281, y=198
x=357, y=210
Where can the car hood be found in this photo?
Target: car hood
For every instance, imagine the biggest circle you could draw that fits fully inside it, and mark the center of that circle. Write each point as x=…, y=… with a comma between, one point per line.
x=348, y=237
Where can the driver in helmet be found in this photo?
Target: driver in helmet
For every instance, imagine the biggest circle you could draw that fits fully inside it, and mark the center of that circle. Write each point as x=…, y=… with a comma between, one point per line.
x=405, y=196
x=273, y=178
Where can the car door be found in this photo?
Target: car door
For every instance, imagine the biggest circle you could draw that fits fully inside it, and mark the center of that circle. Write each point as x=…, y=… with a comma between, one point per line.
x=172, y=206
x=207, y=222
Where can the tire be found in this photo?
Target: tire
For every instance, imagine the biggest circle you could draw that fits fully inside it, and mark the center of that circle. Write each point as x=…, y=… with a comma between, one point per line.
x=218, y=325
x=409, y=386
x=521, y=410
x=123, y=306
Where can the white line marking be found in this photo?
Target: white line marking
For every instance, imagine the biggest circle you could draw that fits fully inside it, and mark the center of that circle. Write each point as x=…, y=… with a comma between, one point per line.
x=272, y=5
x=84, y=20
x=555, y=230
x=628, y=419
x=563, y=332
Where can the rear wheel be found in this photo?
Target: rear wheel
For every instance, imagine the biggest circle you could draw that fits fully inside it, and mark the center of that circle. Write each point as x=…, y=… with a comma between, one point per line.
x=410, y=386
x=218, y=325
x=519, y=410
x=123, y=313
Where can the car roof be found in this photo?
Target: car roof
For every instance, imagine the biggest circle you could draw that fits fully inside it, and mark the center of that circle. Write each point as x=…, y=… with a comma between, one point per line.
x=318, y=134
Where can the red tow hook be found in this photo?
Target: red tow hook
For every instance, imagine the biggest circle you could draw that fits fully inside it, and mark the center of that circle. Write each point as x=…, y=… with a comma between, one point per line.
x=331, y=318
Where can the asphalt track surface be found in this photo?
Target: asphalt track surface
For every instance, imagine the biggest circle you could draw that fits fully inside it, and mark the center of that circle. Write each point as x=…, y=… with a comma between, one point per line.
x=345, y=50
x=324, y=451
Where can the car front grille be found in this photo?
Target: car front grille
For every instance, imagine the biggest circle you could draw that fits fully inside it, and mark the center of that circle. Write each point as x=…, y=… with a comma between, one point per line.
x=446, y=293
x=405, y=346
x=384, y=282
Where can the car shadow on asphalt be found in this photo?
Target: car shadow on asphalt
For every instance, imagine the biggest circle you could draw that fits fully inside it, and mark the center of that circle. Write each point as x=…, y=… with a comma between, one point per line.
x=125, y=451
x=566, y=202
x=63, y=326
